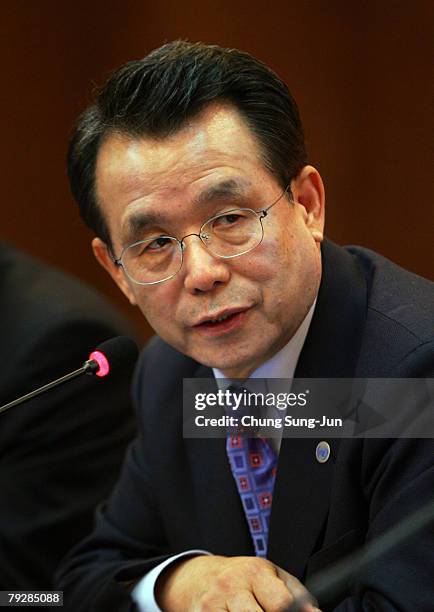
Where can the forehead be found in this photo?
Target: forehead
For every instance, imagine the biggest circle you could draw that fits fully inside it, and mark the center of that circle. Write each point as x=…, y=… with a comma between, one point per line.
x=216, y=148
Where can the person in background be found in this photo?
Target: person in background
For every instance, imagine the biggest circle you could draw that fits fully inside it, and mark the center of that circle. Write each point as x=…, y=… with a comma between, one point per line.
x=191, y=168
x=61, y=452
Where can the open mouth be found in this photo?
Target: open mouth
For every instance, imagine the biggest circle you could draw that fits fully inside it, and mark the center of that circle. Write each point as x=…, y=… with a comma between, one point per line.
x=226, y=322
x=220, y=319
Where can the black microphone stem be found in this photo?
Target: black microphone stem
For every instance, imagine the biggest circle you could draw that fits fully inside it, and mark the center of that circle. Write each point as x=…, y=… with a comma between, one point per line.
x=329, y=580
x=89, y=367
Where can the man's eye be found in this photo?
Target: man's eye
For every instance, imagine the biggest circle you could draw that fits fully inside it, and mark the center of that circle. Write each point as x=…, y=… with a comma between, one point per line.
x=157, y=245
x=162, y=244
x=227, y=220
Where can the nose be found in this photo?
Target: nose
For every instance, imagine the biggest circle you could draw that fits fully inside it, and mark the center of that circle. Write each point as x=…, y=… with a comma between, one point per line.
x=202, y=270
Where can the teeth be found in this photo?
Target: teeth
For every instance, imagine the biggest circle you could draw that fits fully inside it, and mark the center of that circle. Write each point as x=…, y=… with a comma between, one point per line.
x=220, y=319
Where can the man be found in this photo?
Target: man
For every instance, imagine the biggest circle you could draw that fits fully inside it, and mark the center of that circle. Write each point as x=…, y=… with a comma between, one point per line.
x=60, y=452
x=191, y=169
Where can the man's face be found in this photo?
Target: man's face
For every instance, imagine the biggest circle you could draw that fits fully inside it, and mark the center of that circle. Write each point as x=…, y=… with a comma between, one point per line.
x=211, y=165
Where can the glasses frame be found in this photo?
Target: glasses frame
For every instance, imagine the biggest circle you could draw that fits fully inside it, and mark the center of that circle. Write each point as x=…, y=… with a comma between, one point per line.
x=260, y=214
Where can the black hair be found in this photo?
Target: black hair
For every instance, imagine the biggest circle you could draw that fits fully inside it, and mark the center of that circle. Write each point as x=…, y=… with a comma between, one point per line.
x=156, y=95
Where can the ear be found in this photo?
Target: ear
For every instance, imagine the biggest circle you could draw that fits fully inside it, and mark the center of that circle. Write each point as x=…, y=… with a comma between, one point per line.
x=102, y=255
x=308, y=190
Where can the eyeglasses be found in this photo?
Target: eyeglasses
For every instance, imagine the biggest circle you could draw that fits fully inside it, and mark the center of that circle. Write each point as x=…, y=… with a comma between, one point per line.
x=226, y=235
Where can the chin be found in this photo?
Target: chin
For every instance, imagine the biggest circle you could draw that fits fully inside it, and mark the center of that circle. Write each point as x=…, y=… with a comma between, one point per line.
x=240, y=368
x=213, y=361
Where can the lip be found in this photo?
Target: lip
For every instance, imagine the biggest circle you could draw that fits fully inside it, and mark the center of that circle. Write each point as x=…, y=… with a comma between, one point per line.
x=217, y=315
x=229, y=325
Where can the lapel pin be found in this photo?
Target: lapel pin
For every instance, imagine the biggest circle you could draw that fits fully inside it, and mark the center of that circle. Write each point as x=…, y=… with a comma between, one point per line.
x=322, y=452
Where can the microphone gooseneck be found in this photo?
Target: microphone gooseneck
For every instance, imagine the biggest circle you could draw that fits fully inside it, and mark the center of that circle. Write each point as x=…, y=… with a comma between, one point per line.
x=109, y=356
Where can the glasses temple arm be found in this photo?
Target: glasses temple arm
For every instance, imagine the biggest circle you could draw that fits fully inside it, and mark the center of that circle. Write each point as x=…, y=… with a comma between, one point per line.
x=263, y=213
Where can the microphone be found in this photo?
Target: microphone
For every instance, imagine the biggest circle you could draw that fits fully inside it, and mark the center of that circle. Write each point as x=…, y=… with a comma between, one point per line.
x=113, y=354
x=109, y=356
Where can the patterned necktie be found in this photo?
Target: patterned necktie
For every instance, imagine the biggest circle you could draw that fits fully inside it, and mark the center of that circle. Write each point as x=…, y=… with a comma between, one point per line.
x=254, y=464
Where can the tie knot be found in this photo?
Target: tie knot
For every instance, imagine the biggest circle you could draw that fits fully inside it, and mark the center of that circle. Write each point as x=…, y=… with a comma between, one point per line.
x=246, y=407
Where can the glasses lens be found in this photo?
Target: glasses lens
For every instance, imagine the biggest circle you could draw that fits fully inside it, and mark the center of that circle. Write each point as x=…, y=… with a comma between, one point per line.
x=152, y=261
x=233, y=233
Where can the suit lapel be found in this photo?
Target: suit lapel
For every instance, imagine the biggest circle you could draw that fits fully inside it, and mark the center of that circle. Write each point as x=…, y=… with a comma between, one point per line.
x=302, y=489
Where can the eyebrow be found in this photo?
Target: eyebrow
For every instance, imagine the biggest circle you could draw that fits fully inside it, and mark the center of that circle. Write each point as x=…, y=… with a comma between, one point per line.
x=136, y=225
x=140, y=220
x=225, y=189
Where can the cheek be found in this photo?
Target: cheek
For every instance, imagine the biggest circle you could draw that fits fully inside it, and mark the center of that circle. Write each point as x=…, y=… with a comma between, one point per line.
x=289, y=270
x=262, y=265
x=157, y=305
x=274, y=267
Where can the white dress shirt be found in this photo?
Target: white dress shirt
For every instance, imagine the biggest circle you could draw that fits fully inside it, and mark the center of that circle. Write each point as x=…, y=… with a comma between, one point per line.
x=282, y=365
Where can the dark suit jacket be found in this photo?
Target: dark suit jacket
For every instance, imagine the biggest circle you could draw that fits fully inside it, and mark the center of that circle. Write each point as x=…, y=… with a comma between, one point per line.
x=60, y=453
x=372, y=319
